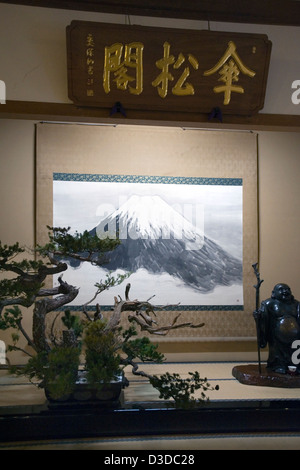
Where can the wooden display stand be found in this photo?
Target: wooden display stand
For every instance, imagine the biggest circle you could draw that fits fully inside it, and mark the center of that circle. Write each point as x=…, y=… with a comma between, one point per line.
x=249, y=374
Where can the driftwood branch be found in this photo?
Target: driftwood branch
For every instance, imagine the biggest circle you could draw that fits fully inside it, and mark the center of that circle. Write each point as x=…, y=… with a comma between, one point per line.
x=162, y=330
x=143, y=316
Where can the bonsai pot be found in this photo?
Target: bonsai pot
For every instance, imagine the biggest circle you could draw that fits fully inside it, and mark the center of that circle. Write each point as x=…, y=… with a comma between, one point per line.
x=85, y=393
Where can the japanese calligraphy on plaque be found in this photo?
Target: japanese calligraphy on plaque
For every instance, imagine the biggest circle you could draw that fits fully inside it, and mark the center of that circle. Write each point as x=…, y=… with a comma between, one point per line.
x=166, y=69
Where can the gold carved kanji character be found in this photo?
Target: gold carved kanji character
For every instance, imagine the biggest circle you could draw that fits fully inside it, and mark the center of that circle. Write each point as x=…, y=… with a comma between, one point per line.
x=230, y=65
x=90, y=40
x=181, y=87
x=90, y=52
x=90, y=62
x=114, y=65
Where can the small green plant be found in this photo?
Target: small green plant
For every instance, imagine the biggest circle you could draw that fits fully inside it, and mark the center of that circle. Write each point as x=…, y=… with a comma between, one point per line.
x=61, y=372
x=73, y=323
x=102, y=361
x=172, y=386
x=143, y=349
x=56, y=370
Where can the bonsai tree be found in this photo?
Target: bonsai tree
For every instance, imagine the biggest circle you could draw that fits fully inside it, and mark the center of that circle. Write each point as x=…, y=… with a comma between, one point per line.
x=59, y=338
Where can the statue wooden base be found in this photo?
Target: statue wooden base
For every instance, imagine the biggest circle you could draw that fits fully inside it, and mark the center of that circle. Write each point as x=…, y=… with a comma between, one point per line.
x=249, y=374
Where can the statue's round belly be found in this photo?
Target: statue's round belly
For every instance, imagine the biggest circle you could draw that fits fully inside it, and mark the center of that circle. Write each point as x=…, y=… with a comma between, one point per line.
x=287, y=330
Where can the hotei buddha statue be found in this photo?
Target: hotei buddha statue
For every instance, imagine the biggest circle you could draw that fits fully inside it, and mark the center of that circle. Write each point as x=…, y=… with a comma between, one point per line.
x=278, y=325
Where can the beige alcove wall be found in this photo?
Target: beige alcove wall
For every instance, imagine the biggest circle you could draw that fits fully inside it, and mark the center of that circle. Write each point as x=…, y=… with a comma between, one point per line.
x=278, y=205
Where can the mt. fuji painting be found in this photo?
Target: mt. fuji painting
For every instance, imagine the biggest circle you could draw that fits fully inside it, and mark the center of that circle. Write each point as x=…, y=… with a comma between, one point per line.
x=181, y=238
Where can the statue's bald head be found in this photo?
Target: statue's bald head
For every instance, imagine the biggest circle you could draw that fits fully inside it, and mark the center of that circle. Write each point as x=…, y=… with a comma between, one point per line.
x=282, y=292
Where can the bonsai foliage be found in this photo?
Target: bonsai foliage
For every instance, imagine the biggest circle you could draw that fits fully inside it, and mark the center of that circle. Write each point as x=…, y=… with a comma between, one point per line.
x=102, y=358
x=59, y=341
x=172, y=386
x=61, y=371
x=56, y=370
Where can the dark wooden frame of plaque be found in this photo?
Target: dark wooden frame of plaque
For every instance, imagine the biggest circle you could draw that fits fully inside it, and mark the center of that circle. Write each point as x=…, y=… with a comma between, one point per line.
x=208, y=46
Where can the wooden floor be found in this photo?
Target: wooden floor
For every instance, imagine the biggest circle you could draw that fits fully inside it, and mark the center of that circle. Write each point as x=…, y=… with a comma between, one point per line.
x=17, y=391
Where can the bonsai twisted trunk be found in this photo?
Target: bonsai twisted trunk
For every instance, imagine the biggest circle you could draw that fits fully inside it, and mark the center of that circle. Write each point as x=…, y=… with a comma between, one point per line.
x=46, y=305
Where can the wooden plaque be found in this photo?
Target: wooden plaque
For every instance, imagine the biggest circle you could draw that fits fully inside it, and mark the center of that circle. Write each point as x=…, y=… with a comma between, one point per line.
x=177, y=70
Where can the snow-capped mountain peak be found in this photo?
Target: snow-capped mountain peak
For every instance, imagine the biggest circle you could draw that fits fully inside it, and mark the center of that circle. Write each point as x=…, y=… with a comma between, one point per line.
x=157, y=237
x=149, y=217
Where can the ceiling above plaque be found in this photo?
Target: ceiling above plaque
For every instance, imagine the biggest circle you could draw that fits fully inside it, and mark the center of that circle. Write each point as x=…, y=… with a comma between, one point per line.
x=276, y=12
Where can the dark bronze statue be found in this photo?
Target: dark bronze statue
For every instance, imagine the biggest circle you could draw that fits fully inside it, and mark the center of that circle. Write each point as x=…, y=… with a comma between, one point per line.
x=278, y=325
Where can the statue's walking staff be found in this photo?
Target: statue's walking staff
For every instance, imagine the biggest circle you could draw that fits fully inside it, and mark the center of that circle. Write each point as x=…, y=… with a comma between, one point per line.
x=256, y=313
